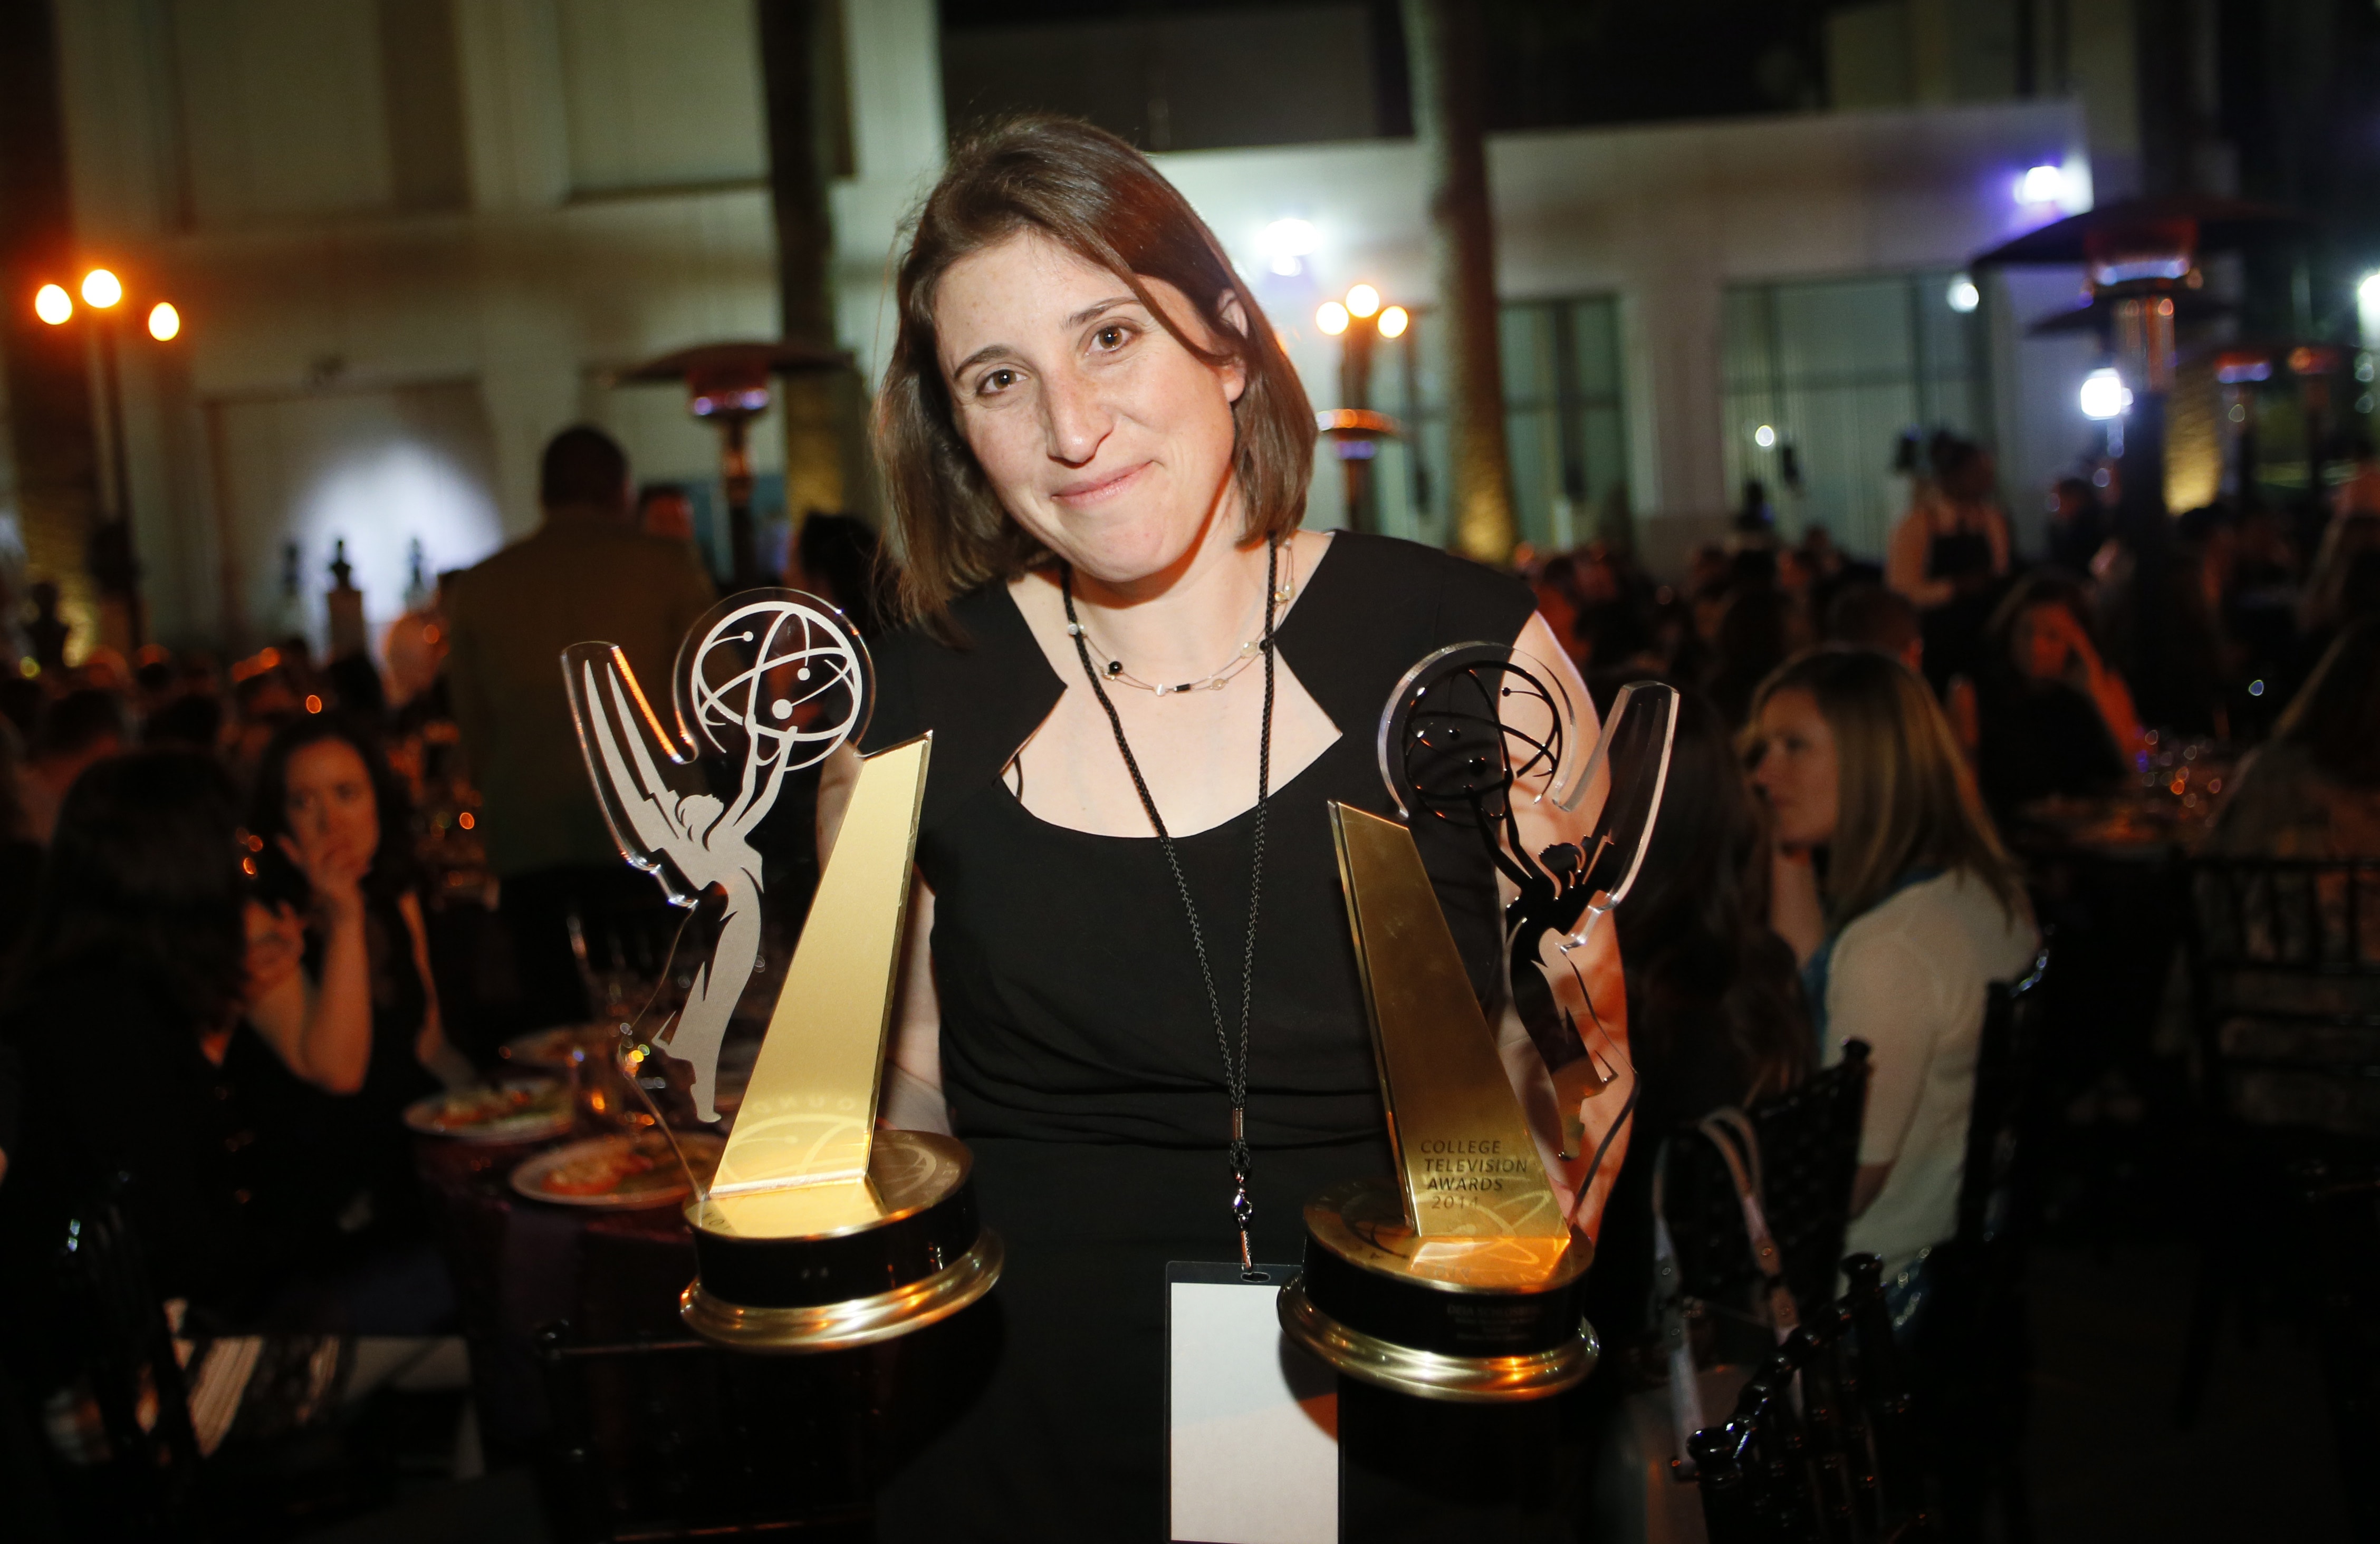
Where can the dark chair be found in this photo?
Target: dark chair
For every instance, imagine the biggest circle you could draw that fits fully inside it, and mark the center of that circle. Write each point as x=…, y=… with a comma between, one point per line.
x=1809, y=1150
x=2285, y=984
x=671, y=1439
x=1971, y=1350
x=149, y=1486
x=1821, y=1447
x=2341, y=1215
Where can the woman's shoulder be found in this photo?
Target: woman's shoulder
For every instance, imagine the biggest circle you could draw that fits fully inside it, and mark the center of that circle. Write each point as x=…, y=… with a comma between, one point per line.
x=1374, y=607
x=926, y=675
x=88, y=1009
x=1393, y=570
x=980, y=686
x=1951, y=916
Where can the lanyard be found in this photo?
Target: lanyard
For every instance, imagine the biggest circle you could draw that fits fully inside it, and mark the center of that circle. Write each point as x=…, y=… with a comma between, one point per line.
x=1235, y=1067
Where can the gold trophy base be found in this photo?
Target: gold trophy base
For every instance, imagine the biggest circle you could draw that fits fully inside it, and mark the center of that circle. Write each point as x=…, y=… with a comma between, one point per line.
x=1472, y=1319
x=829, y=1266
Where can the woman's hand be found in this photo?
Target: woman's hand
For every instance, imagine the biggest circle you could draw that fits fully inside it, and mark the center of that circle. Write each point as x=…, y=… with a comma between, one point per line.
x=334, y=871
x=276, y=949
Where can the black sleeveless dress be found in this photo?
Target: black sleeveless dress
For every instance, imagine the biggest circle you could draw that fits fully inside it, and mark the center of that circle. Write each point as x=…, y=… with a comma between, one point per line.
x=1079, y=1054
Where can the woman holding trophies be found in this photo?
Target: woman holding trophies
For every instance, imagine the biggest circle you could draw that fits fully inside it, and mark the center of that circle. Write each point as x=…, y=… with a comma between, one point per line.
x=1130, y=984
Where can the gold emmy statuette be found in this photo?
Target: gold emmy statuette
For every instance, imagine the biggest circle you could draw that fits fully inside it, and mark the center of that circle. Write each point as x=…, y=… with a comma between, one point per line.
x=1462, y=1278
x=818, y=1231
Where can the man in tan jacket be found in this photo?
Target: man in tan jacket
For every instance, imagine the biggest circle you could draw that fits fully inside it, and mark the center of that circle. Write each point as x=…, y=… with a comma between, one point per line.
x=585, y=575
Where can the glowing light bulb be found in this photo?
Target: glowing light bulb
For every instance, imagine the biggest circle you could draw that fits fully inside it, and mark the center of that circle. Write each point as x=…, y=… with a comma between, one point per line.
x=1331, y=318
x=2041, y=185
x=101, y=289
x=1964, y=296
x=164, y=322
x=2105, y=396
x=1285, y=243
x=1395, y=320
x=52, y=303
x=1362, y=300
x=1765, y=437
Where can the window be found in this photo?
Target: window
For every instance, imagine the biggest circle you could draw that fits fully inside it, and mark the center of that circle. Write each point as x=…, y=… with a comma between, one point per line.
x=1565, y=423
x=1836, y=371
x=299, y=108
x=662, y=95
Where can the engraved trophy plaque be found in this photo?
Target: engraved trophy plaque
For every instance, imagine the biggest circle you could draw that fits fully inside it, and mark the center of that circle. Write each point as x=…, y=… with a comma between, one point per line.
x=818, y=1231
x=1462, y=1277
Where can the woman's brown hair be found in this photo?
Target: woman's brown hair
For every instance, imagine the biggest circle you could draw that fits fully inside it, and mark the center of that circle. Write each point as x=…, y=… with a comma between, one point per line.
x=1904, y=800
x=1099, y=198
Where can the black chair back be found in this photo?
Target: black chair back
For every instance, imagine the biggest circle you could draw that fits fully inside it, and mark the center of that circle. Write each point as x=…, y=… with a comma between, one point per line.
x=1994, y=1190
x=2284, y=975
x=1971, y=1349
x=2284, y=958
x=150, y=1481
x=1820, y=1448
x=1809, y=1150
x=2341, y=1214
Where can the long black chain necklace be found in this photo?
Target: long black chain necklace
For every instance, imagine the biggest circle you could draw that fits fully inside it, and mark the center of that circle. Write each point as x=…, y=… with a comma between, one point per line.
x=1235, y=1067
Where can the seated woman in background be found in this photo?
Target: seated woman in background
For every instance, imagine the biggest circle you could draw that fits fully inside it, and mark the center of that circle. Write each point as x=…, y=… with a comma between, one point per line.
x=1895, y=893
x=339, y=964
x=1715, y=1013
x=2051, y=715
x=119, y=1006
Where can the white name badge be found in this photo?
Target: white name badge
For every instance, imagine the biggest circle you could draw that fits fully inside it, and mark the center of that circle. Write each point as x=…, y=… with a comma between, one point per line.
x=1252, y=1421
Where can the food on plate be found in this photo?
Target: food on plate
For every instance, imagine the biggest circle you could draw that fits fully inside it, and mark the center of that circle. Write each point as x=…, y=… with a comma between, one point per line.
x=514, y=1106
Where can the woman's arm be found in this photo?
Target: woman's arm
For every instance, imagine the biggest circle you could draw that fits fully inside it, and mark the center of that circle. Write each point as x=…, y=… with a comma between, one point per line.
x=1586, y=982
x=1882, y=990
x=2109, y=694
x=430, y=1047
x=321, y=1030
x=913, y=1073
x=1995, y=531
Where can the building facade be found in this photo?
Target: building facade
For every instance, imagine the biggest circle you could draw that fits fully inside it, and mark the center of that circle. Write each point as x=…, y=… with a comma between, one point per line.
x=412, y=239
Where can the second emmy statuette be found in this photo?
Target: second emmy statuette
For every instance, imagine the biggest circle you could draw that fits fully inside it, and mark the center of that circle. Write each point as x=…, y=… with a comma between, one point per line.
x=1462, y=1277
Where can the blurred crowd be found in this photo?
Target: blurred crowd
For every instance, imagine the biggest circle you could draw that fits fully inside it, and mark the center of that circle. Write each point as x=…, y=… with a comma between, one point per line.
x=253, y=908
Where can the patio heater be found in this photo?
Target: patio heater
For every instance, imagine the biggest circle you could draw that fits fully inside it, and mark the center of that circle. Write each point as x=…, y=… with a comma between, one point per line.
x=728, y=387
x=2140, y=260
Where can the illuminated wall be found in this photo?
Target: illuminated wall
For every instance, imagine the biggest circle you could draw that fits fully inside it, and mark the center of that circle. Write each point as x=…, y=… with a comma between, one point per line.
x=412, y=239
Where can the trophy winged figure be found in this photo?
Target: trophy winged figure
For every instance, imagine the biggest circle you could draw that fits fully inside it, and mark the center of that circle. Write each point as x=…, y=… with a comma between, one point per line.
x=1477, y=729
x=769, y=682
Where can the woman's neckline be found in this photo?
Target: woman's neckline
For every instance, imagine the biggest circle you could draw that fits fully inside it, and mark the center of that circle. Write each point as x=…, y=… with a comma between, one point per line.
x=1208, y=833
x=1313, y=577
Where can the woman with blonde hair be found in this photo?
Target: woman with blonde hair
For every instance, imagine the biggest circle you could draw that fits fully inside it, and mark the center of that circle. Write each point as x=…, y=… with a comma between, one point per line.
x=1895, y=893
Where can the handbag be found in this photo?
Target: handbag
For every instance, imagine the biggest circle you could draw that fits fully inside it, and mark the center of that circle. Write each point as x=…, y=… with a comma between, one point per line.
x=1659, y=1419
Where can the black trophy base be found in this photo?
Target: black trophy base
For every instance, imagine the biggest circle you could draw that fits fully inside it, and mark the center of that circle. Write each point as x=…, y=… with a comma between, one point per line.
x=827, y=1268
x=1477, y=1321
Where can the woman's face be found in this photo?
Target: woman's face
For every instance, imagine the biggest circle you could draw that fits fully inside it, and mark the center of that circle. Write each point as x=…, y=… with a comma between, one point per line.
x=330, y=804
x=1102, y=436
x=1796, y=772
x=2043, y=640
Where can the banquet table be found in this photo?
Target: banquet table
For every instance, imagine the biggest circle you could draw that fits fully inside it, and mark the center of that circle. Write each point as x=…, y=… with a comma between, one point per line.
x=521, y=1264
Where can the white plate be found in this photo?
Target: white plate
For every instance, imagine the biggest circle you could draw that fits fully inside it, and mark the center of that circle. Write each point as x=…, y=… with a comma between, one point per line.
x=702, y=1151
x=524, y=1126
x=558, y=1048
